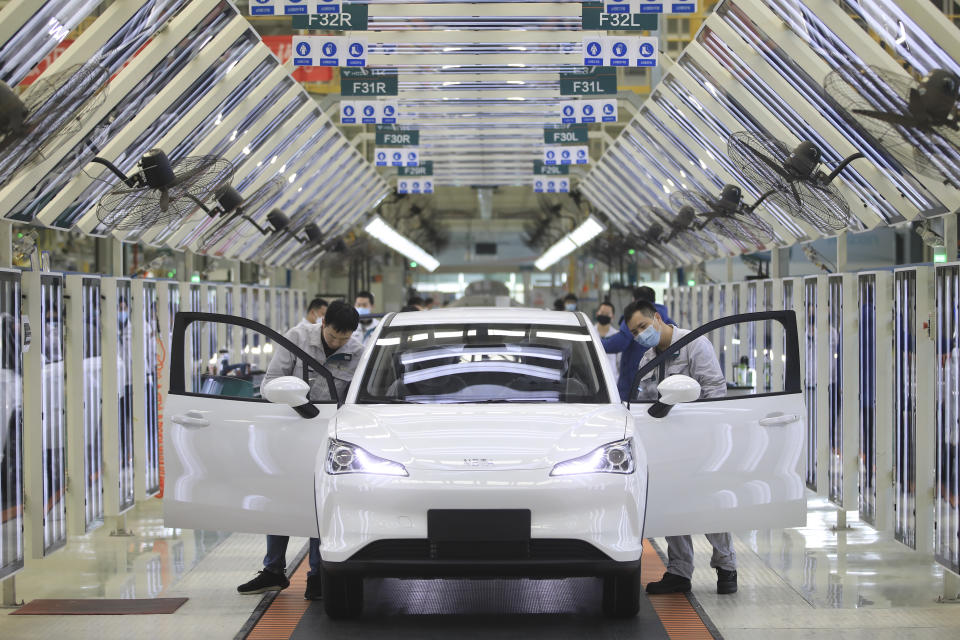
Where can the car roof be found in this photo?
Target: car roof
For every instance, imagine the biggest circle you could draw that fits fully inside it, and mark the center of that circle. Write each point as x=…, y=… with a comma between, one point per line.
x=479, y=315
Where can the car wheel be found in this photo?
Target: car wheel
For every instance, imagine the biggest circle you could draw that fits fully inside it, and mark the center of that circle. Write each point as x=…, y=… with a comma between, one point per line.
x=621, y=595
x=342, y=595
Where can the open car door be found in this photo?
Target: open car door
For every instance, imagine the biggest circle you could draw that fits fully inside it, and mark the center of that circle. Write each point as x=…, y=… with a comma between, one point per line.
x=733, y=462
x=234, y=461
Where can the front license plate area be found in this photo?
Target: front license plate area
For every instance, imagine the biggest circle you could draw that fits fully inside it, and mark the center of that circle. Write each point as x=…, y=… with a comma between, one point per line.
x=479, y=534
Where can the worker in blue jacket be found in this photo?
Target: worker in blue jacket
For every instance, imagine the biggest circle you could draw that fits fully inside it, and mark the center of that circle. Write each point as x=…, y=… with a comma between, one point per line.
x=624, y=343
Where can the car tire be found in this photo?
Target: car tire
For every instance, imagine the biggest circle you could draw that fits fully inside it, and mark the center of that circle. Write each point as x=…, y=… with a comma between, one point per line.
x=342, y=595
x=621, y=595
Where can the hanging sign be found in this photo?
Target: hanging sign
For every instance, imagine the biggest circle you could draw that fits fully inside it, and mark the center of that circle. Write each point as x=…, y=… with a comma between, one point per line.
x=368, y=112
x=425, y=169
x=414, y=185
x=553, y=155
x=348, y=112
x=298, y=8
x=565, y=135
x=388, y=136
x=645, y=52
x=352, y=17
x=587, y=112
x=356, y=54
x=544, y=184
x=596, y=19
x=542, y=169
x=361, y=82
x=599, y=82
x=318, y=51
x=406, y=157
x=628, y=7
x=619, y=51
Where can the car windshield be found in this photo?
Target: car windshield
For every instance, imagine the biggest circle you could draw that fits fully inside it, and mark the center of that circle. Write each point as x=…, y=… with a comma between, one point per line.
x=468, y=363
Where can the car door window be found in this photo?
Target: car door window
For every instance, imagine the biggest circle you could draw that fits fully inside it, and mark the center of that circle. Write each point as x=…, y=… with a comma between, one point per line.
x=737, y=356
x=239, y=372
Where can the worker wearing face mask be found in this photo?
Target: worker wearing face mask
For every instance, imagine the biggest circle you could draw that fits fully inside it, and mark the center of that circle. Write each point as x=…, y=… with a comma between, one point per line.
x=604, y=318
x=363, y=303
x=570, y=302
x=699, y=361
x=623, y=342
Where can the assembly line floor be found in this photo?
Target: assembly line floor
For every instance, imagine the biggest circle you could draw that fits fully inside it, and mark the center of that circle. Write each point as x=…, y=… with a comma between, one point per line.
x=812, y=582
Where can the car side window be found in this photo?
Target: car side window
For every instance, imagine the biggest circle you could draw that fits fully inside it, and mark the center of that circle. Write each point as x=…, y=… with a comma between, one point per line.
x=742, y=355
x=222, y=356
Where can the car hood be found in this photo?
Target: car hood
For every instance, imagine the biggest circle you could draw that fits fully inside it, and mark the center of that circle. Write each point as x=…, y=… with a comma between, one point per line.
x=460, y=437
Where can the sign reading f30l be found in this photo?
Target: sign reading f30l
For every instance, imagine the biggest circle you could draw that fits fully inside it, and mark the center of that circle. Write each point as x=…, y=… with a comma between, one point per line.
x=566, y=135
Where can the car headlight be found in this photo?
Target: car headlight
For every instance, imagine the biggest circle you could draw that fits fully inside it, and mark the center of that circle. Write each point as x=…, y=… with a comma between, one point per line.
x=343, y=457
x=613, y=457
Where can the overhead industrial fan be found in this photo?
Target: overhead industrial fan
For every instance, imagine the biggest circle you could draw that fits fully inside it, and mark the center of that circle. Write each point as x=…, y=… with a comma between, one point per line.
x=793, y=178
x=54, y=106
x=235, y=213
x=159, y=191
x=727, y=216
x=917, y=121
x=680, y=231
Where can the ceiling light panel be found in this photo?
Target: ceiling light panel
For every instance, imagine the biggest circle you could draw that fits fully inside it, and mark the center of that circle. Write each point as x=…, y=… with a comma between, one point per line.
x=852, y=51
x=151, y=132
x=38, y=34
x=165, y=58
x=717, y=39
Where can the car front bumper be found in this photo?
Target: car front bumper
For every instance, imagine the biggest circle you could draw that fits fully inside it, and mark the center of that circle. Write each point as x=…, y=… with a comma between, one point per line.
x=603, y=511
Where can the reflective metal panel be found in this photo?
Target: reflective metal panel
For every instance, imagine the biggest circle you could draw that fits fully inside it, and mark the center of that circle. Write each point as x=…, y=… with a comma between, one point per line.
x=11, y=430
x=810, y=384
x=904, y=414
x=92, y=401
x=155, y=353
x=835, y=387
x=867, y=301
x=947, y=484
x=125, y=424
x=52, y=421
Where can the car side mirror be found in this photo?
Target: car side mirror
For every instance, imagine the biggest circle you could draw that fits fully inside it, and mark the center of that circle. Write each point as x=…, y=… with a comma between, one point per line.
x=674, y=390
x=291, y=391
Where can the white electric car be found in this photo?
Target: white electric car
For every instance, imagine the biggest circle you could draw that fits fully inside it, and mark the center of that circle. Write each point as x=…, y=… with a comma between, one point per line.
x=482, y=442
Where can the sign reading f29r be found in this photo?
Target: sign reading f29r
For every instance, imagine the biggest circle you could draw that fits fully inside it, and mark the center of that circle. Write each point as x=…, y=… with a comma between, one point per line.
x=546, y=184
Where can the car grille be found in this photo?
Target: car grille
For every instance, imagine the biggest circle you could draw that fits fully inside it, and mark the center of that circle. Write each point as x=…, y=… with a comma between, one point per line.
x=424, y=550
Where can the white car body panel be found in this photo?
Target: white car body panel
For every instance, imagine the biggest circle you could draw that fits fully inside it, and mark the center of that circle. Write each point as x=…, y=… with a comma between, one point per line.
x=260, y=468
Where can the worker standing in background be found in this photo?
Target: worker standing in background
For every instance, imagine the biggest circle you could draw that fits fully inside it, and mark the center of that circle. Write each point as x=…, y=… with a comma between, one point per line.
x=363, y=303
x=624, y=343
x=315, y=312
x=604, y=318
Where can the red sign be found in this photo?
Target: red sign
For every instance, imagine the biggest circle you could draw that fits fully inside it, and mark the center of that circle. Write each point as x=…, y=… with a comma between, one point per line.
x=46, y=62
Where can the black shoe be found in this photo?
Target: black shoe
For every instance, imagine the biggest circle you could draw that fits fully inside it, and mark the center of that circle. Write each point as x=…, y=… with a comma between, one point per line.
x=313, y=588
x=265, y=581
x=726, y=581
x=669, y=583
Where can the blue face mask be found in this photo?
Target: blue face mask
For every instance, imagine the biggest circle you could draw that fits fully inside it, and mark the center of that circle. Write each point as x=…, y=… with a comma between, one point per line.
x=649, y=337
x=570, y=306
x=363, y=311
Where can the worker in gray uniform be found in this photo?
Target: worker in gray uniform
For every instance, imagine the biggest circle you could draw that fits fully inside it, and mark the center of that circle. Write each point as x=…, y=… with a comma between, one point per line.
x=333, y=344
x=699, y=361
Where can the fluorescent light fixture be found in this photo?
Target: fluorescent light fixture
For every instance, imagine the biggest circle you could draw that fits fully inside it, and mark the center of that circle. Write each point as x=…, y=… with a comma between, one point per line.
x=580, y=236
x=388, y=236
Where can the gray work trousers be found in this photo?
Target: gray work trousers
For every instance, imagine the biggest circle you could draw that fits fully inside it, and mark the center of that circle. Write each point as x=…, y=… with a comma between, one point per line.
x=680, y=554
